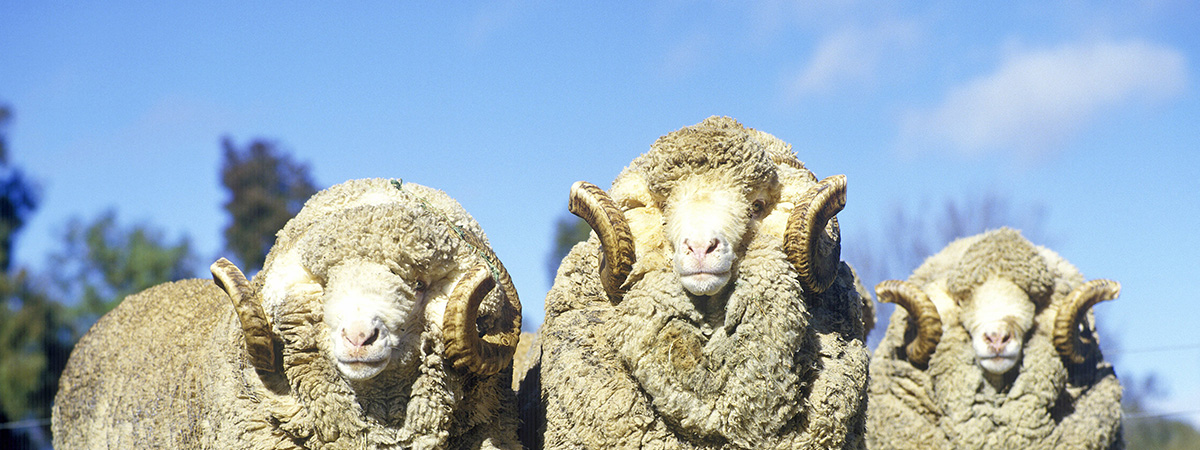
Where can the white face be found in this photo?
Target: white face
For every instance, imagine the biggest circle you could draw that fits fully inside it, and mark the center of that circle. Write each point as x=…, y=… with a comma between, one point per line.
x=997, y=317
x=373, y=318
x=704, y=226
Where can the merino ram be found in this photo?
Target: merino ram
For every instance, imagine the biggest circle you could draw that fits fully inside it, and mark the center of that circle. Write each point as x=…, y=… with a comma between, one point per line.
x=359, y=332
x=994, y=347
x=709, y=308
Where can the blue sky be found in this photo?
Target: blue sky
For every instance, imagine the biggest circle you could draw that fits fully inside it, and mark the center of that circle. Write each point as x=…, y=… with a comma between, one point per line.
x=1090, y=111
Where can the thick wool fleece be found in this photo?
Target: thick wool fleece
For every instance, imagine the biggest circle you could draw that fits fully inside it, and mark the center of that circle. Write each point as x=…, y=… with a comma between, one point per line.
x=167, y=367
x=716, y=145
x=761, y=365
x=102, y=403
x=1050, y=404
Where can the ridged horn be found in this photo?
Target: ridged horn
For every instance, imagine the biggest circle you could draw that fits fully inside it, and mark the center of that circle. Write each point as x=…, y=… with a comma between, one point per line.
x=1071, y=313
x=484, y=352
x=817, y=266
x=255, y=327
x=594, y=206
x=921, y=312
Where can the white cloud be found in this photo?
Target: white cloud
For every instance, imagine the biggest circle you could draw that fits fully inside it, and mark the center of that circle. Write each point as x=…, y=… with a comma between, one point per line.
x=851, y=56
x=491, y=19
x=1037, y=100
x=844, y=54
x=686, y=56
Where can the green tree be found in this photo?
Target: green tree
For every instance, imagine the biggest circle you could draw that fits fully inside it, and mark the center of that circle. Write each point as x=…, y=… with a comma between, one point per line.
x=568, y=231
x=18, y=195
x=1144, y=428
x=35, y=340
x=102, y=262
x=266, y=189
x=33, y=348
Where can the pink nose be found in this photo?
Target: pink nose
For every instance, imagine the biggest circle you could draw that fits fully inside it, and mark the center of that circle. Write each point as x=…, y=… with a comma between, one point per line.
x=360, y=333
x=704, y=249
x=996, y=340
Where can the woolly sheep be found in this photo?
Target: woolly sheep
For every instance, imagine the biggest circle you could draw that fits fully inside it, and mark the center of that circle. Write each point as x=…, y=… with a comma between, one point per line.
x=359, y=332
x=994, y=347
x=709, y=308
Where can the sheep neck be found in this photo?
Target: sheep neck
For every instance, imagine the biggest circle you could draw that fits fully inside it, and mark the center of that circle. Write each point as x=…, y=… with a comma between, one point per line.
x=1000, y=382
x=712, y=312
x=699, y=369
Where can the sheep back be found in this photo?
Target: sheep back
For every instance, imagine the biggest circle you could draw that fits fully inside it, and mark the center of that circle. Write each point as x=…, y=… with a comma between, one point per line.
x=181, y=338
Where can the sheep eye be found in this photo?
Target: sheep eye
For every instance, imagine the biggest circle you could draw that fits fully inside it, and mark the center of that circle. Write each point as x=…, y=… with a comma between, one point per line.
x=631, y=203
x=419, y=286
x=757, y=208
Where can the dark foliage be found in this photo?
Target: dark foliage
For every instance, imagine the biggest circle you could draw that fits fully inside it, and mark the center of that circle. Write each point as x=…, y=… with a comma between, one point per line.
x=18, y=196
x=568, y=231
x=266, y=189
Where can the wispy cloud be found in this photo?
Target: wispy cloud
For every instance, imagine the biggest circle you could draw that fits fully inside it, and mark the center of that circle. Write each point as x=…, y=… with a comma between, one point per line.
x=686, y=56
x=491, y=19
x=770, y=17
x=851, y=56
x=1037, y=100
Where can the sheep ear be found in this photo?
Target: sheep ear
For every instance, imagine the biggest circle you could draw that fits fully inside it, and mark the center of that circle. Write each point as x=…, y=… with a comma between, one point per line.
x=594, y=206
x=813, y=242
x=921, y=312
x=1071, y=311
x=255, y=328
x=467, y=347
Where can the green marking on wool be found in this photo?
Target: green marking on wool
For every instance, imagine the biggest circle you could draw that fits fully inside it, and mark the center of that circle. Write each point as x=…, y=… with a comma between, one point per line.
x=468, y=238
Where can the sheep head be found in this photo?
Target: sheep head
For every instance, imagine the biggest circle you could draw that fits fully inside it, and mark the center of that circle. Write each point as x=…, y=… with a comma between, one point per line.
x=375, y=279
x=370, y=314
x=693, y=201
x=998, y=315
x=995, y=289
x=373, y=315
x=1000, y=283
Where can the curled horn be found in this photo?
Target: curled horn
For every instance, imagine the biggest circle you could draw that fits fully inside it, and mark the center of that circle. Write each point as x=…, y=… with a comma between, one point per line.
x=467, y=348
x=1071, y=312
x=921, y=311
x=254, y=321
x=816, y=265
x=594, y=206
